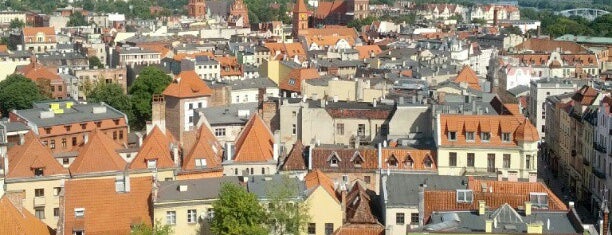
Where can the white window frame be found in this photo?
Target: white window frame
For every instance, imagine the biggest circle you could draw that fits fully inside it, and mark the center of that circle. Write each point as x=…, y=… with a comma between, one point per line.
x=482, y=136
x=79, y=212
x=192, y=216
x=452, y=136
x=465, y=196
x=200, y=162
x=467, y=136
x=171, y=217
x=152, y=163
x=506, y=137
x=538, y=196
x=220, y=132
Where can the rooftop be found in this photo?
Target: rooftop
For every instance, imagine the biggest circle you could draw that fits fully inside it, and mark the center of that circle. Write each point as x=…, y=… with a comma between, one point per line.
x=48, y=114
x=194, y=189
x=231, y=114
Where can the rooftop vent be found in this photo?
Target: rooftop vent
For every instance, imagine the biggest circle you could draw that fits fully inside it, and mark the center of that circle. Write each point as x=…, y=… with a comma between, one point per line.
x=182, y=188
x=99, y=109
x=47, y=114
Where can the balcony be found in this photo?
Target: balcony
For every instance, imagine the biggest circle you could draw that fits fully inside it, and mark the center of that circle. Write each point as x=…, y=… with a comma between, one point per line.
x=39, y=201
x=361, y=139
x=599, y=148
x=599, y=173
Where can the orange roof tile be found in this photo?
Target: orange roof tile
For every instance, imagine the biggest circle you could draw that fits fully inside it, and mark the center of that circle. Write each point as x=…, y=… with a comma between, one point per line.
x=187, y=85
x=160, y=47
x=548, y=45
x=181, y=56
x=586, y=95
x=32, y=31
x=408, y=159
x=289, y=49
x=334, y=30
x=229, y=66
x=468, y=76
x=14, y=221
x=98, y=155
x=23, y=159
x=295, y=159
x=328, y=40
x=317, y=178
x=360, y=229
x=3, y=48
x=255, y=143
x=107, y=211
x=526, y=132
x=300, y=7
x=494, y=124
x=156, y=146
x=35, y=71
x=293, y=81
x=366, y=51
x=207, y=147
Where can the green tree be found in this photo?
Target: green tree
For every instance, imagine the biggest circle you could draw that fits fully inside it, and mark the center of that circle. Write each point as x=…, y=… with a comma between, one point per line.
x=77, y=19
x=237, y=212
x=150, y=81
x=456, y=17
x=18, y=92
x=157, y=229
x=113, y=95
x=94, y=61
x=512, y=30
x=287, y=211
x=16, y=24
x=479, y=21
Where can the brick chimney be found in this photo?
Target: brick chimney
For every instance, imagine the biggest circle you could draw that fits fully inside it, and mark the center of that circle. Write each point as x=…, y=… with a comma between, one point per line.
x=604, y=228
x=343, y=194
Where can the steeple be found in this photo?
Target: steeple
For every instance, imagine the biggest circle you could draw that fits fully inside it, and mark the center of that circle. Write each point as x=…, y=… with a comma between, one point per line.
x=300, y=18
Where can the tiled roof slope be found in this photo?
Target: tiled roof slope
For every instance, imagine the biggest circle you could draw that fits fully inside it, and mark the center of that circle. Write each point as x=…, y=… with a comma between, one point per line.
x=293, y=81
x=98, y=155
x=468, y=76
x=404, y=156
x=585, y=96
x=14, y=221
x=496, y=125
x=255, y=143
x=107, y=211
x=35, y=71
x=360, y=229
x=156, y=146
x=548, y=45
x=295, y=160
x=358, y=210
x=187, y=85
x=348, y=159
x=366, y=51
x=23, y=159
x=204, y=149
x=317, y=178
x=513, y=193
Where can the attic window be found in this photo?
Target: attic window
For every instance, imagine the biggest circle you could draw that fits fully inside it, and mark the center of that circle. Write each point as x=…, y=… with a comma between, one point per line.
x=357, y=159
x=465, y=196
x=409, y=163
x=392, y=162
x=452, y=135
x=83, y=126
x=200, y=163
x=485, y=136
x=333, y=159
x=38, y=171
x=506, y=137
x=79, y=212
x=427, y=162
x=98, y=124
x=291, y=81
x=152, y=163
x=539, y=200
x=48, y=130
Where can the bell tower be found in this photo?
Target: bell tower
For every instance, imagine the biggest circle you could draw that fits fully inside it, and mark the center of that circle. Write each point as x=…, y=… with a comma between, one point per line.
x=196, y=8
x=300, y=19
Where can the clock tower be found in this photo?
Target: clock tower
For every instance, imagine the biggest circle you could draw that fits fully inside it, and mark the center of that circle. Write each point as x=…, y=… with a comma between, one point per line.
x=300, y=18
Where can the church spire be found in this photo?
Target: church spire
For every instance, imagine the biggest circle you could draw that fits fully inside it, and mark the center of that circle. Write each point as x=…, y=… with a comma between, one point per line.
x=300, y=18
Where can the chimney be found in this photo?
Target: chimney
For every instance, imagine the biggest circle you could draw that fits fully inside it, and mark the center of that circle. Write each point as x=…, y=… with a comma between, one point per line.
x=126, y=177
x=374, y=102
x=175, y=155
x=495, y=17
x=228, y=151
x=85, y=138
x=6, y=165
x=310, y=157
x=605, y=220
x=379, y=156
x=343, y=202
x=488, y=226
x=21, y=139
x=527, y=208
x=482, y=207
x=538, y=31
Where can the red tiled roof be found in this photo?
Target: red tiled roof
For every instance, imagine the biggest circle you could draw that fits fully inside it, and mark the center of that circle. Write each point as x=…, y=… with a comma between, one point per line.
x=35, y=71
x=360, y=229
x=23, y=159
x=348, y=159
x=255, y=143
x=317, y=178
x=495, y=124
x=366, y=51
x=156, y=146
x=289, y=49
x=204, y=149
x=325, y=9
x=334, y=30
x=293, y=81
x=526, y=132
x=14, y=221
x=32, y=31
x=548, y=45
x=295, y=160
x=187, y=85
x=328, y=40
x=586, y=95
x=107, y=211
x=358, y=210
x=468, y=76
x=404, y=157
x=98, y=155
x=300, y=6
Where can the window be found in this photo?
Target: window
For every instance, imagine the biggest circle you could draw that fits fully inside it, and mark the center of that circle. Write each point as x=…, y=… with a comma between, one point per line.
x=45, y=143
x=414, y=218
x=39, y=212
x=539, y=200
x=74, y=141
x=485, y=136
x=361, y=130
x=192, y=216
x=171, y=217
x=506, y=160
x=57, y=191
x=452, y=136
x=38, y=172
x=210, y=213
x=471, y=159
x=63, y=142
x=39, y=192
x=120, y=135
x=452, y=159
x=293, y=129
x=329, y=228
x=312, y=228
x=399, y=218
x=333, y=161
x=291, y=81
x=491, y=162
x=67, y=127
x=200, y=163
x=83, y=126
x=151, y=164
x=366, y=179
x=469, y=136
x=219, y=132
x=65, y=161
x=506, y=137
x=409, y=162
x=427, y=162
x=528, y=162
x=99, y=124
x=340, y=128
x=465, y=196
x=52, y=144
x=190, y=106
x=79, y=212
x=114, y=135
x=56, y=212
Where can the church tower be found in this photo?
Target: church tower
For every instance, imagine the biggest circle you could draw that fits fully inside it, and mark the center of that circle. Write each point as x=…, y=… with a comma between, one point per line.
x=239, y=11
x=197, y=8
x=300, y=18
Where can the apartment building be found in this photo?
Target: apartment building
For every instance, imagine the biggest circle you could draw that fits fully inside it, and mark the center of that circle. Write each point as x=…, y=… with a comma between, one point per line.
x=45, y=77
x=541, y=89
x=207, y=68
x=130, y=56
x=89, y=78
x=39, y=39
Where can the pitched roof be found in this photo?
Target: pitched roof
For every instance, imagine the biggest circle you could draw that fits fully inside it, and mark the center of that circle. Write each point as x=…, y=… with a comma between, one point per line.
x=300, y=7
x=156, y=146
x=255, y=143
x=293, y=81
x=187, y=85
x=526, y=132
x=468, y=76
x=289, y=49
x=98, y=155
x=358, y=210
x=366, y=51
x=494, y=124
x=207, y=147
x=325, y=9
x=32, y=31
x=408, y=159
x=548, y=45
x=35, y=71
x=107, y=211
x=317, y=178
x=19, y=221
x=586, y=95
x=295, y=159
x=351, y=160
x=328, y=40
x=32, y=154
x=334, y=30
x=360, y=229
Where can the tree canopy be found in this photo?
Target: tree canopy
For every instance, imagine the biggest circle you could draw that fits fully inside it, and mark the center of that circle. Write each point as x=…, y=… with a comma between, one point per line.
x=150, y=81
x=95, y=61
x=237, y=212
x=18, y=92
x=113, y=95
x=157, y=229
x=287, y=211
x=558, y=25
x=16, y=24
x=77, y=19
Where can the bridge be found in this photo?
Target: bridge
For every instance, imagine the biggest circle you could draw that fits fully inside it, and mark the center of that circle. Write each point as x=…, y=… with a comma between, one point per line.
x=587, y=13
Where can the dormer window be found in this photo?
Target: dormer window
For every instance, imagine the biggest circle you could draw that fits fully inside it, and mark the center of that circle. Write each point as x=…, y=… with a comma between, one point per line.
x=392, y=162
x=465, y=196
x=505, y=137
x=152, y=163
x=357, y=159
x=452, y=135
x=428, y=163
x=38, y=171
x=469, y=136
x=200, y=163
x=333, y=159
x=291, y=81
x=485, y=136
x=409, y=163
x=98, y=124
x=539, y=200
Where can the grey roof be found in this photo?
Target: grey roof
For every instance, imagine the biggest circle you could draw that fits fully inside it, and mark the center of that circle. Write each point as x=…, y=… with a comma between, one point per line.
x=15, y=126
x=291, y=64
x=518, y=90
x=197, y=189
x=53, y=55
x=228, y=114
x=263, y=186
x=403, y=189
x=262, y=82
x=339, y=63
x=205, y=60
x=76, y=114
